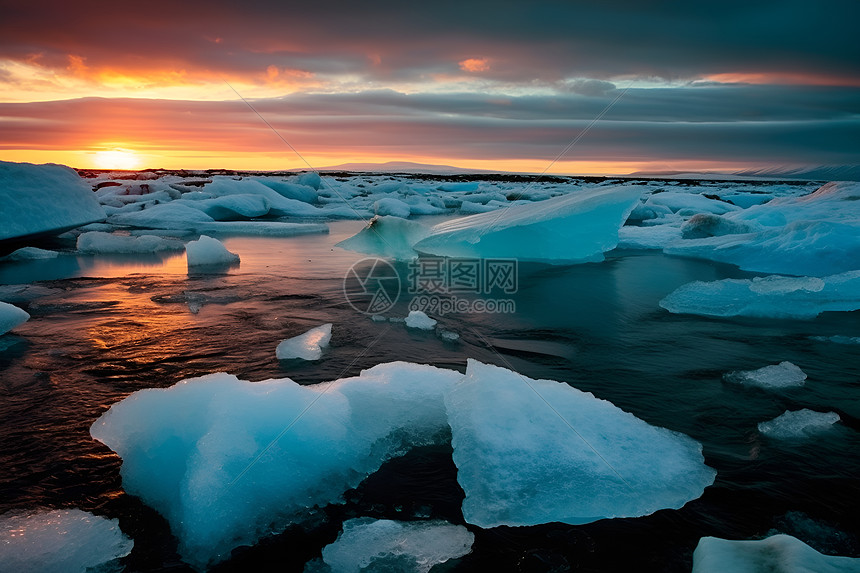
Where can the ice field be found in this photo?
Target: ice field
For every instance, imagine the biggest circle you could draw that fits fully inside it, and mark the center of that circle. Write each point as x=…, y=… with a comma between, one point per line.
x=187, y=383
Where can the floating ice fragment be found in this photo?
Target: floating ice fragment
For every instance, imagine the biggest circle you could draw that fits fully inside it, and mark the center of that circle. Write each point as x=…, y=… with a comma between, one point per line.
x=11, y=316
x=448, y=336
x=798, y=424
x=772, y=297
x=406, y=547
x=387, y=237
x=578, y=227
x=30, y=254
x=537, y=451
x=417, y=319
x=776, y=554
x=60, y=541
x=307, y=346
x=207, y=251
x=101, y=243
x=782, y=375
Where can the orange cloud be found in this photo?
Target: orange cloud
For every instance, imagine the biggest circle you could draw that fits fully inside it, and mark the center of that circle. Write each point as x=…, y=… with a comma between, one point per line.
x=783, y=78
x=475, y=65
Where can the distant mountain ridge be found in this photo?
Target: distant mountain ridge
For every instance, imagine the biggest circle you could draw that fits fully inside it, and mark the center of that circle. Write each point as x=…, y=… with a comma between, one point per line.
x=401, y=167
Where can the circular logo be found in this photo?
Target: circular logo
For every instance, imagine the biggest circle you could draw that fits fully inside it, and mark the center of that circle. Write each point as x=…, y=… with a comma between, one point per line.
x=371, y=286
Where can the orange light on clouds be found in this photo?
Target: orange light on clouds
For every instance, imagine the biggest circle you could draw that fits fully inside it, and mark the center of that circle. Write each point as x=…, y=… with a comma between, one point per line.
x=779, y=78
x=475, y=65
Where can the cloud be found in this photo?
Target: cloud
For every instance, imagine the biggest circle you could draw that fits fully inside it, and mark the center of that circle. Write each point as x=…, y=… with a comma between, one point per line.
x=742, y=123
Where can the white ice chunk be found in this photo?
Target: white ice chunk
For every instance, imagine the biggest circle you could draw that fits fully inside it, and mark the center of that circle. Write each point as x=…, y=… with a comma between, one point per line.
x=311, y=179
x=228, y=461
x=776, y=554
x=392, y=207
x=307, y=346
x=798, y=424
x=300, y=190
x=11, y=316
x=41, y=199
x=100, y=242
x=782, y=375
x=402, y=546
x=232, y=207
x=60, y=541
x=696, y=203
x=772, y=297
x=709, y=225
x=30, y=254
x=574, y=228
x=537, y=451
x=418, y=319
x=387, y=237
x=260, y=228
x=174, y=215
x=650, y=237
x=207, y=251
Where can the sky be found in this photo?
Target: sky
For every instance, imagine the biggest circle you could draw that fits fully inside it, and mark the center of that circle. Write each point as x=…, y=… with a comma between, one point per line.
x=569, y=87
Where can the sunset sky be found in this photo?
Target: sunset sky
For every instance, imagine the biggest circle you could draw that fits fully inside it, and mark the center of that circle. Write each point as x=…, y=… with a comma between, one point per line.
x=491, y=85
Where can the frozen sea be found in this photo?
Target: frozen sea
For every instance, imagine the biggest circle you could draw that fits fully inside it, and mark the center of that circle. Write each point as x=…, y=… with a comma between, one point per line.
x=104, y=326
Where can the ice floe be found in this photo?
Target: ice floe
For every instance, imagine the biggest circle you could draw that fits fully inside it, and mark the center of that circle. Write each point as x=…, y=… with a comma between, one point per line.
x=777, y=554
x=307, y=346
x=418, y=319
x=11, y=316
x=798, y=424
x=536, y=451
x=773, y=296
x=208, y=251
x=782, y=375
x=41, y=199
x=367, y=544
x=60, y=541
x=101, y=242
x=578, y=227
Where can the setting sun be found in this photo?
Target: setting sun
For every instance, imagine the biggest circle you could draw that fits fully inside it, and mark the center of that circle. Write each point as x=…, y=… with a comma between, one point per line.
x=117, y=159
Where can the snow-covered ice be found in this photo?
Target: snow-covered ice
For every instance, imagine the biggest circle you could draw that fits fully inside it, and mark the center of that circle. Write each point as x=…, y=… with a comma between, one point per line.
x=41, y=199
x=777, y=554
x=207, y=251
x=11, y=316
x=782, y=375
x=537, y=451
x=392, y=207
x=418, y=319
x=578, y=227
x=227, y=461
x=101, y=242
x=772, y=297
x=798, y=424
x=60, y=541
x=367, y=544
x=307, y=346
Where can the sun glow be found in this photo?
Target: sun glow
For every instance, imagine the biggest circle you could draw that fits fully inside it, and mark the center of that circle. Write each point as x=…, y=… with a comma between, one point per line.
x=116, y=159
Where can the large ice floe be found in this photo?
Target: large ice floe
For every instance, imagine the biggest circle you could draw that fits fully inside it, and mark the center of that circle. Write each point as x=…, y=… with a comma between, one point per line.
x=772, y=297
x=578, y=227
x=777, y=554
x=60, y=541
x=99, y=242
x=814, y=235
x=534, y=451
x=254, y=457
x=11, y=316
x=367, y=544
x=228, y=461
x=42, y=199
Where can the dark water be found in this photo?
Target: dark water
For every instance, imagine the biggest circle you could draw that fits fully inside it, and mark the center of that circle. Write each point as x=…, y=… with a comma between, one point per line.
x=106, y=327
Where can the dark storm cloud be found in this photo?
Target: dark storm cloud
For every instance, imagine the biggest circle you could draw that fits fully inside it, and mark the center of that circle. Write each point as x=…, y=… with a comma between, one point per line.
x=522, y=41
x=713, y=123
